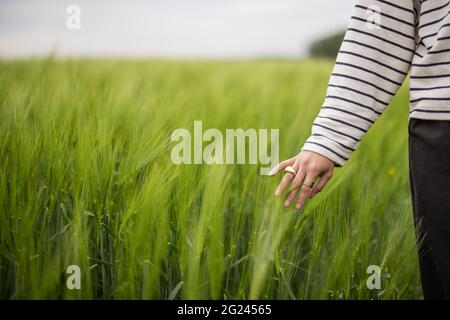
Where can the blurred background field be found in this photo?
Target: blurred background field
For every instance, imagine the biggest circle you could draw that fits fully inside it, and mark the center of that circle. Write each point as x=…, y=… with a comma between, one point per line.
x=86, y=178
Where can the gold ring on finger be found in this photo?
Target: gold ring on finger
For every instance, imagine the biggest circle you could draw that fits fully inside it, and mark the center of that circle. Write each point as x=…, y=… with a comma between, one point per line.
x=308, y=183
x=290, y=170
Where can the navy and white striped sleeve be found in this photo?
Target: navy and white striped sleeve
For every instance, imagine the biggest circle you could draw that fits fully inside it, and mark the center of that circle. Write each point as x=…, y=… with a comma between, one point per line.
x=372, y=63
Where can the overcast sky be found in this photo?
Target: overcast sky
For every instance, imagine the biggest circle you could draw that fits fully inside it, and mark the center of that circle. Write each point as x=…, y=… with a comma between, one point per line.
x=169, y=28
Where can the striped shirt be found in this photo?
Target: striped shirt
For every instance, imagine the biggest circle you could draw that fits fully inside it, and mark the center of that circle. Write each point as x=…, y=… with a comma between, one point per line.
x=384, y=41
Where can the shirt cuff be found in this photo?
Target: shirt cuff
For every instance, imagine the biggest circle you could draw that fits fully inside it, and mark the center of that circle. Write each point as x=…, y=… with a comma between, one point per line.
x=327, y=148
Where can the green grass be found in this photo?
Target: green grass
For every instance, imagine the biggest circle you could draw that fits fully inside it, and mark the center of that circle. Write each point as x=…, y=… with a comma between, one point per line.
x=86, y=178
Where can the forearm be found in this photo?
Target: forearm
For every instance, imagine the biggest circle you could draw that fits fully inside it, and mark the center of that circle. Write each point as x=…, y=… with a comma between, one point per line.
x=372, y=64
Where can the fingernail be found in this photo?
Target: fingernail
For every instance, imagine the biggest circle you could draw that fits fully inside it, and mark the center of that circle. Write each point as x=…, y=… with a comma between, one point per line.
x=298, y=207
x=272, y=171
x=277, y=192
x=287, y=203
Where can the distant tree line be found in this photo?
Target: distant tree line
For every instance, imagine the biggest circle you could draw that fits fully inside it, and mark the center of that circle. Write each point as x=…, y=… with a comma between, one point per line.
x=327, y=47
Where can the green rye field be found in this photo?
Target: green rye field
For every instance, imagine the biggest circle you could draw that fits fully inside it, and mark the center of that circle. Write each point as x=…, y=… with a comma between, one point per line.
x=86, y=179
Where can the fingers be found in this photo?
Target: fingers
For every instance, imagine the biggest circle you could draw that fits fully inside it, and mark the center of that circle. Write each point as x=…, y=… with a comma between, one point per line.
x=285, y=181
x=298, y=180
x=290, y=198
x=321, y=184
x=281, y=166
x=309, y=167
x=305, y=190
x=299, y=177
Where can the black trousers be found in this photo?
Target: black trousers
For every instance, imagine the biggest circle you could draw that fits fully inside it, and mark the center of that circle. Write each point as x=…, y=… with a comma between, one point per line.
x=429, y=164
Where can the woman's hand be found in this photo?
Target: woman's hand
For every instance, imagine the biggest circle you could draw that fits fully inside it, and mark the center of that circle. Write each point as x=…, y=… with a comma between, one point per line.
x=309, y=167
